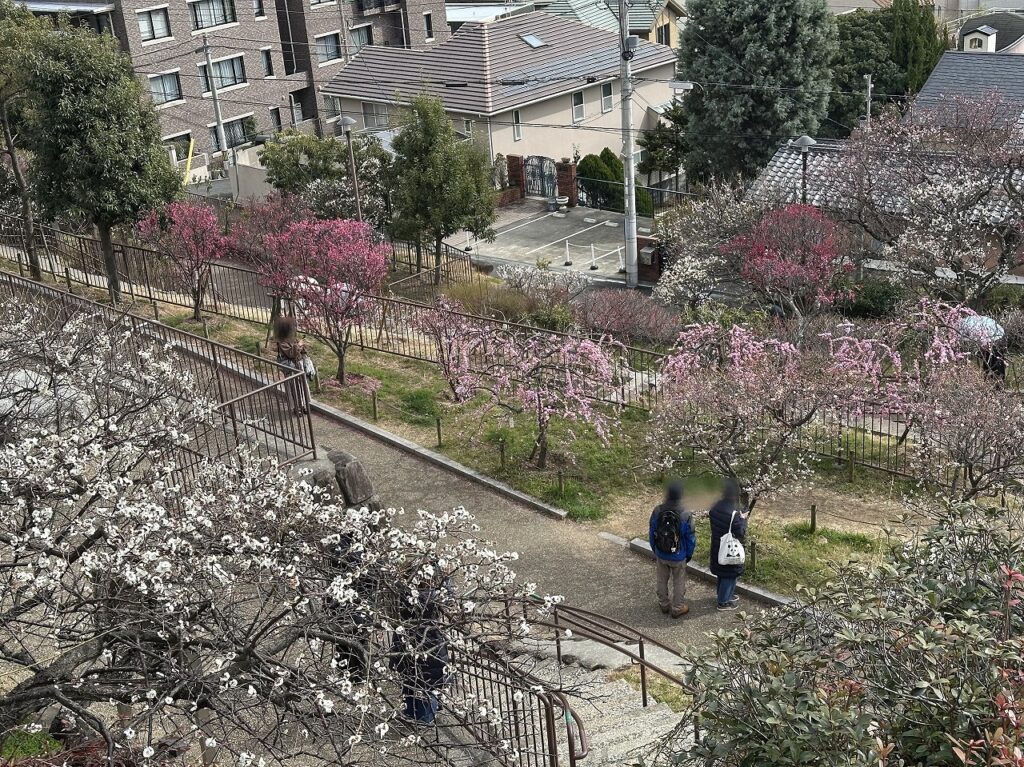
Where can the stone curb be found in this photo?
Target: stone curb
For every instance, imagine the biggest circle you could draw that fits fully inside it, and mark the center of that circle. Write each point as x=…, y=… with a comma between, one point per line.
x=437, y=459
x=642, y=547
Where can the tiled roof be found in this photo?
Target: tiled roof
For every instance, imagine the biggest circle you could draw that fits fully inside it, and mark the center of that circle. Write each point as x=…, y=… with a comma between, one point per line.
x=780, y=181
x=603, y=15
x=487, y=68
x=960, y=73
x=1007, y=27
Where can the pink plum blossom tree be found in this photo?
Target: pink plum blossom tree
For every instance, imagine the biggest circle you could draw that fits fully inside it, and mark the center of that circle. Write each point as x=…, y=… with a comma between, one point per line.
x=548, y=376
x=190, y=235
x=739, y=402
x=329, y=268
x=456, y=339
x=248, y=235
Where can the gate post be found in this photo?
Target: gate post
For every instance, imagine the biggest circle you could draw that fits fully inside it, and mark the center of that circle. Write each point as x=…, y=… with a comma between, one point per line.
x=516, y=172
x=565, y=172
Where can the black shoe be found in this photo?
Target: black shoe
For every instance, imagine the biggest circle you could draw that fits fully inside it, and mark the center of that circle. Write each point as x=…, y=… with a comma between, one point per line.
x=728, y=606
x=734, y=601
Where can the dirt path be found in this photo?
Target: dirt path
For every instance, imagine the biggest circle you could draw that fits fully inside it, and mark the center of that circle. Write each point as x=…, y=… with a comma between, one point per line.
x=560, y=557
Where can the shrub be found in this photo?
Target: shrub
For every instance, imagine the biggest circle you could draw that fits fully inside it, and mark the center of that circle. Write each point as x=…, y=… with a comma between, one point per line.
x=872, y=298
x=1013, y=323
x=1003, y=297
x=628, y=315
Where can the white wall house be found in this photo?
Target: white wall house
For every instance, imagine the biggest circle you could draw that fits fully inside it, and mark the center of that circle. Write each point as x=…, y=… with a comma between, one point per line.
x=531, y=84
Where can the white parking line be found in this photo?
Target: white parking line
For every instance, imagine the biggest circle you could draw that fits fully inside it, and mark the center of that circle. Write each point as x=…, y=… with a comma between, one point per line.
x=520, y=226
x=563, y=239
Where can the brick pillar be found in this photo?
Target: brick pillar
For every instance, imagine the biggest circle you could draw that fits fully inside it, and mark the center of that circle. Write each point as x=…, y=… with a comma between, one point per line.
x=565, y=173
x=516, y=172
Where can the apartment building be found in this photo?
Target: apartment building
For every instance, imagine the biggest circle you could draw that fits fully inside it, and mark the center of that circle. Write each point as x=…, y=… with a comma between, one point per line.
x=268, y=59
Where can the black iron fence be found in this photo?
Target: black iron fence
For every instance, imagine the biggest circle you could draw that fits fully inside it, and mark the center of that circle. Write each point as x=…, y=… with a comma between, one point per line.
x=257, y=401
x=610, y=195
x=869, y=437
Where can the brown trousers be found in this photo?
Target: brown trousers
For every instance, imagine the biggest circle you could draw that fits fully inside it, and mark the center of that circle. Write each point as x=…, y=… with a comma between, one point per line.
x=676, y=572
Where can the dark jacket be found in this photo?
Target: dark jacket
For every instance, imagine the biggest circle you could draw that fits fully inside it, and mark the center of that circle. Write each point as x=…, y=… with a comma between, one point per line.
x=719, y=515
x=687, y=536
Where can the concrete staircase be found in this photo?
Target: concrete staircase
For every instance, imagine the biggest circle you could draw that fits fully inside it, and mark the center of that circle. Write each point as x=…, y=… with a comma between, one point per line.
x=621, y=731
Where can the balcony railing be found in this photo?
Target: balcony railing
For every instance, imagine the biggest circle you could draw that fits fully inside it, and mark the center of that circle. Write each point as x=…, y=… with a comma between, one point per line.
x=366, y=7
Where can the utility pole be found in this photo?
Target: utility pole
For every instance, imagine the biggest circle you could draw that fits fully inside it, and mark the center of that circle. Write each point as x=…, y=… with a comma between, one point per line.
x=867, y=122
x=213, y=93
x=627, y=49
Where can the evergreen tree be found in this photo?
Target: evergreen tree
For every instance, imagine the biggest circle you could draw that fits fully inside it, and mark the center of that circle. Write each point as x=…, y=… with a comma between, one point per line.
x=95, y=138
x=442, y=185
x=764, y=69
x=917, y=42
x=864, y=49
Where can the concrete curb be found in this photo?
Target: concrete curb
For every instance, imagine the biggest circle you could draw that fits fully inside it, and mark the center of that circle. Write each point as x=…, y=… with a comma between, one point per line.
x=326, y=411
x=642, y=547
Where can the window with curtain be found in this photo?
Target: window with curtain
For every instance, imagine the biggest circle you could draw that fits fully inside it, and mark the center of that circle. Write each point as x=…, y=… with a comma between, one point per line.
x=227, y=73
x=328, y=48
x=212, y=13
x=361, y=37
x=235, y=133
x=154, y=25
x=165, y=88
x=375, y=115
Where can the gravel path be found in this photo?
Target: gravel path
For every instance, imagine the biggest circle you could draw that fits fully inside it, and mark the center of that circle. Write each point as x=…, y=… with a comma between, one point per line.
x=561, y=557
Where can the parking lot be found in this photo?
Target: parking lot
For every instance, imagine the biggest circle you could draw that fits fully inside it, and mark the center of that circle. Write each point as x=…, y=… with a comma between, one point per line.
x=592, y=240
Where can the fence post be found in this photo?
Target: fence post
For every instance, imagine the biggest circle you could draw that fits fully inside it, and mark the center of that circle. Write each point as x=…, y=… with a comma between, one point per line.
x=753, y=557
x=501, y=452
x=814, y=517
x=373, y=401
x=438, y=422
x=643, y=672
x=568, y=259
x=149, y=282
x=849, y=465
x=561, y=483
x=67, y=278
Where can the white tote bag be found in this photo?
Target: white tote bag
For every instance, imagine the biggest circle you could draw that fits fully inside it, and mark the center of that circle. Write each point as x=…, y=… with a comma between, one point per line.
x=730, y=550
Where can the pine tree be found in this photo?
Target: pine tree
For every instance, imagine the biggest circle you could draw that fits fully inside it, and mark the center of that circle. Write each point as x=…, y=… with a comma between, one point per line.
x=764, y=69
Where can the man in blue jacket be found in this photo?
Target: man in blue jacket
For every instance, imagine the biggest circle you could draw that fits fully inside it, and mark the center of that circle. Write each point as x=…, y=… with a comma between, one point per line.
x=673, y=542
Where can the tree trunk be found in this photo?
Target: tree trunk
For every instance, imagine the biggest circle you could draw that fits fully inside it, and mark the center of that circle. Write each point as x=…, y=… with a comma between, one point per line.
x=28, y=222
x=437, y=260
x=341, y=367
x=540, y=449
x=109, y=262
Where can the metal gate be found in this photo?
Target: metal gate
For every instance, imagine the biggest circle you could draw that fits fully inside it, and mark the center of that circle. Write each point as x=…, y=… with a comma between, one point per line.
x=541, y=179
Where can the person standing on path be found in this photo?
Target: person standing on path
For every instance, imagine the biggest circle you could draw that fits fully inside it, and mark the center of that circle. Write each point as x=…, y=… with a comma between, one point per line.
x=728, y=513
x=290, y=351
x=673, y=542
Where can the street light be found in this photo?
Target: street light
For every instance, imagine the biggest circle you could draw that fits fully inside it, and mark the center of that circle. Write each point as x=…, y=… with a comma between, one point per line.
x=347, y=122
x=805, y=143
x=682, y=87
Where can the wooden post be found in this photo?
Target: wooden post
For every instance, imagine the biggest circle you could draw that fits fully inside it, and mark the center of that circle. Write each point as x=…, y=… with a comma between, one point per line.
x=849, y=466
x=814, y=517
x=206, y=329
x=753, y=557
x=259, y=352
x=438, y=421
x=501, y=452
x=373, y=401
x=67, y=278
x=561, y=483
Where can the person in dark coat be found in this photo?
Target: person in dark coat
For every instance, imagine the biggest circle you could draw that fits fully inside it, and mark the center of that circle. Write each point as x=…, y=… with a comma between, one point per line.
x=421, y=657
x=671, y=565
x=728, y=510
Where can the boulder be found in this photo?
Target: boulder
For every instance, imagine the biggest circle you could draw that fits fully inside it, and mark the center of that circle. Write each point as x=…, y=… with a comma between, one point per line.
x=351, y=477
x=318, y=473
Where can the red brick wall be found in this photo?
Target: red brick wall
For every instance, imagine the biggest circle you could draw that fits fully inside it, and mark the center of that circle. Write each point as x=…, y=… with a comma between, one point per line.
x=516, y=173
x=566, y=179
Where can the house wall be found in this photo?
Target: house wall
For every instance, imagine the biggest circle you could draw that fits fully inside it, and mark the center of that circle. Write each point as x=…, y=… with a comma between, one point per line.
x=988, y=43
x=547, y=126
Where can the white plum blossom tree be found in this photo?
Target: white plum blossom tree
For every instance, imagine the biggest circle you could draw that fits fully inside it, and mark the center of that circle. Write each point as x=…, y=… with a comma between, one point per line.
x=162, y=606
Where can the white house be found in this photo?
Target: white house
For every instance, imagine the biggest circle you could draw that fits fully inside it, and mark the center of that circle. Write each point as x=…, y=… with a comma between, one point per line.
x=529, y=84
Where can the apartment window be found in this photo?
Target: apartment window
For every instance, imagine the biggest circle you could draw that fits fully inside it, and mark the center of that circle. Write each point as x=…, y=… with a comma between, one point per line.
x=275, y=119
x=165, y=88
x=361, y=37
x=226, y=73
x=375, y=115
x=517, y=126
x=332, y=107
x=297, y=115
x=606, y=97
x=428, y=22
x=663, y=35
x=578, y=112
x=268, y=62
x=328, y=48
x=212, y=13
x=179, y=145
x=154, y=25
x=257, y=9
x=467, y=127
x=236, y=132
